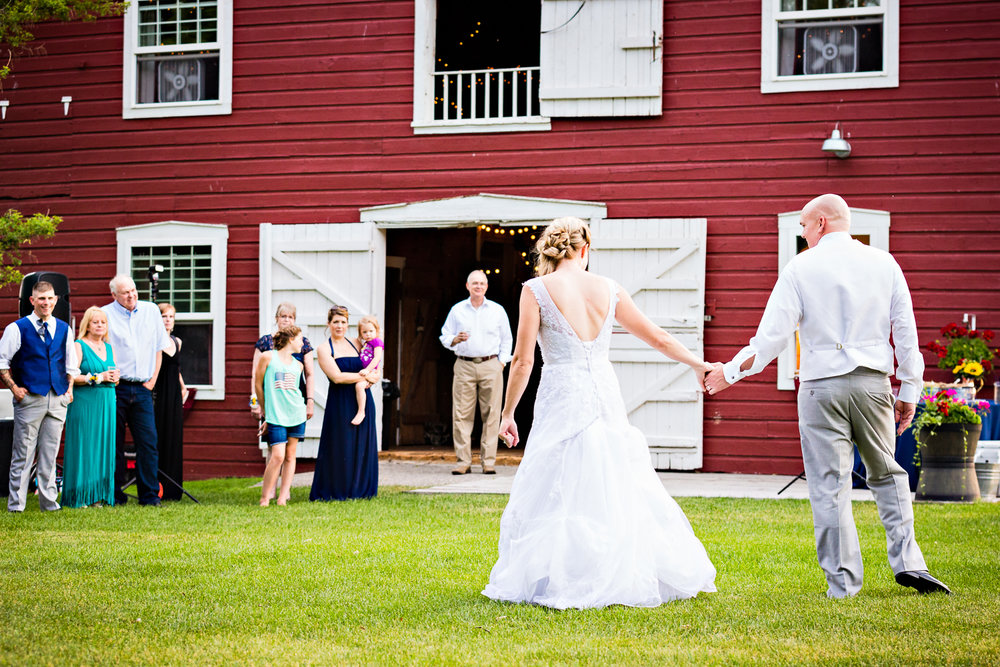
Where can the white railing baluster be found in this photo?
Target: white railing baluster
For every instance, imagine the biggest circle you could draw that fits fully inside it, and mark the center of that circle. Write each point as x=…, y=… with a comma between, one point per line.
x=528, y=93
x=487, y=77
x=447, y=101
x=513, y=91
x=474, y=88
x=500, y=113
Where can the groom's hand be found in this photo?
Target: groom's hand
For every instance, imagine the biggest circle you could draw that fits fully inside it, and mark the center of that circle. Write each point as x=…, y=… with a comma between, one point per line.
x=715, y=381
x=904, y=415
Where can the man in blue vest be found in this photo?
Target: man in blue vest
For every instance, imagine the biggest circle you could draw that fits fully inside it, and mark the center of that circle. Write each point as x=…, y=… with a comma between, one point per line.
x=37, y=363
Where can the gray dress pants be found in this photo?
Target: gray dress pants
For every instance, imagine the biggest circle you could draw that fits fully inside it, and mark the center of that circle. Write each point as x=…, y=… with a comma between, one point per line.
x=38, y=425
x=834, y=414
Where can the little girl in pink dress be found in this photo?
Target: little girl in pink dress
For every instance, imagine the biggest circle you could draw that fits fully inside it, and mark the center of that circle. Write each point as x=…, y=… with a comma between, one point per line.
x=371, y=353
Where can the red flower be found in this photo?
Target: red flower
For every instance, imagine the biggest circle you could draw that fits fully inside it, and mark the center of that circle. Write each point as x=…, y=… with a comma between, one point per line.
x=986, y=334
x=962, y=331
x=946, y=329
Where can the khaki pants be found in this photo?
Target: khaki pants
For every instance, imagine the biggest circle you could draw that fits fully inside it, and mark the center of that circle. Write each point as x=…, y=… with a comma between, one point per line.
x=485, y=381
x=835, y=414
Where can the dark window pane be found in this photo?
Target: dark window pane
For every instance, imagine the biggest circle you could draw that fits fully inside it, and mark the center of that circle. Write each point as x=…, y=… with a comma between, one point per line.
x=196, y=351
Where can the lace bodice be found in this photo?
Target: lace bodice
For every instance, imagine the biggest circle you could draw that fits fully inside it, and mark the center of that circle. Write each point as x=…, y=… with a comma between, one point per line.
x=556, y=338
x=578, y=383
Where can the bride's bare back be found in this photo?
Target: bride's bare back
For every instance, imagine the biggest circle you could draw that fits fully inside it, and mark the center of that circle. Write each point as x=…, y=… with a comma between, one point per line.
x=582, y=298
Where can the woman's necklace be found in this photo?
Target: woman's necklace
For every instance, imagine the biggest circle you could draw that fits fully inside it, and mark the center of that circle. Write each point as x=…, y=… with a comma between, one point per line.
x=95, y=346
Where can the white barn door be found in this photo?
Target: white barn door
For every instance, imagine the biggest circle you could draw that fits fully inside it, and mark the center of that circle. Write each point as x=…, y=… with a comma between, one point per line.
x=315, y=266
x=661, y=263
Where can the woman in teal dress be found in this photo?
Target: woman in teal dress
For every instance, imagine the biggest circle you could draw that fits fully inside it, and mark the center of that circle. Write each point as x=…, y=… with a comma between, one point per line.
x=89, y=454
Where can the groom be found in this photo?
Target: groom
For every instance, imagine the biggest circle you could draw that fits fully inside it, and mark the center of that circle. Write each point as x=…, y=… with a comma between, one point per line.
x=846, y=299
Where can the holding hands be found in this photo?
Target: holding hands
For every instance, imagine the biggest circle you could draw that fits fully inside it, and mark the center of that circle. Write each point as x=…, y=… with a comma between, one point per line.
x=715, y=379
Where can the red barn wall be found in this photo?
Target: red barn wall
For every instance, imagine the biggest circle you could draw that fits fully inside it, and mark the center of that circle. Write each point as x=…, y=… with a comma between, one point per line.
x=322, y=101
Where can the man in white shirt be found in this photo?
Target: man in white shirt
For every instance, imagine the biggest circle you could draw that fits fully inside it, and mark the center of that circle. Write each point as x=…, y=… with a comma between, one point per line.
x=138, y=338
x=477, y=330
x=846, y=299
x=37, y=363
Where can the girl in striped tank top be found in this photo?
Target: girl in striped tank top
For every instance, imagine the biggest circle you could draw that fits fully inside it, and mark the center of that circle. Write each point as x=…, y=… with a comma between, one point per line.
x=277, y=385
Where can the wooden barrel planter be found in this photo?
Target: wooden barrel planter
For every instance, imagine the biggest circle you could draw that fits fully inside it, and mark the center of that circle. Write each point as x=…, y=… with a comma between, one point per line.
x=947, y=463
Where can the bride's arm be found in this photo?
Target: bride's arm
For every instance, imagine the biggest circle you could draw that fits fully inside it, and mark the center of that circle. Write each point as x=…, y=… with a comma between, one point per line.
x=520, y=366
x=640, y=326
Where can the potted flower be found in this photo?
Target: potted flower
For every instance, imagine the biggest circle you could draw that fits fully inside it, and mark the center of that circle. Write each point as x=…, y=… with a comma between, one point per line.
x=947, y=428
x=966, y=353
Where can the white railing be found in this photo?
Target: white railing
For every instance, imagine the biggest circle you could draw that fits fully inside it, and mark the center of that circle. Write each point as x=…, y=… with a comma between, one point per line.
x=486, y=94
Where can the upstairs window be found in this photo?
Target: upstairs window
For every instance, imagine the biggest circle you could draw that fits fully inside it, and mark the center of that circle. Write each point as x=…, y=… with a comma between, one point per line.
x=829, y=45
x=483, y=69
x=178, y=58
x=501, y=67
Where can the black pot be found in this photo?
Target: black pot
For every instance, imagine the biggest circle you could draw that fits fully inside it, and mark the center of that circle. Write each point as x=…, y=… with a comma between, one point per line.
x=947, y=463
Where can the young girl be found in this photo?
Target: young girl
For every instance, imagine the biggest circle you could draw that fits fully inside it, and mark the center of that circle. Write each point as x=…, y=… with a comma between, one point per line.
x=277, y=386
x=372, y=348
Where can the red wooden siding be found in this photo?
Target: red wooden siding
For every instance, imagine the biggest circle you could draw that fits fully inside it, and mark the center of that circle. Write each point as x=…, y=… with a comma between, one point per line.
x=322, y=101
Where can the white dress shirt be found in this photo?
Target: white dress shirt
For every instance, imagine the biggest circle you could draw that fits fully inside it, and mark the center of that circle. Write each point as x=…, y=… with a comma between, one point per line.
x=488, y=328
x=846, y=298
x=10, y=343
x=136, y=336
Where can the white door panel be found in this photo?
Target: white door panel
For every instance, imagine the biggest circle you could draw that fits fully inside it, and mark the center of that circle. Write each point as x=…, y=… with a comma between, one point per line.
x=315, y=266
x=661, y=263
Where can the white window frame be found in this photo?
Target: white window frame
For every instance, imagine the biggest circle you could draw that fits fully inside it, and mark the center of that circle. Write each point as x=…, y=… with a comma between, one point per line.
x=770, y=82
x=864, y=222
x=171, y=233
x=424, y=37
x=130, y=78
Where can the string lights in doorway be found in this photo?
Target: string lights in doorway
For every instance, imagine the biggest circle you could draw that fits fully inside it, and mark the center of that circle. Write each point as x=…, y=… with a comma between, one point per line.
x=523, y=236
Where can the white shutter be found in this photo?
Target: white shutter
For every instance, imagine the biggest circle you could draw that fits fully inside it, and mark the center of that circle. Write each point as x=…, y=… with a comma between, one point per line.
x=315, y=266
x=606, y=60
x=661, y=263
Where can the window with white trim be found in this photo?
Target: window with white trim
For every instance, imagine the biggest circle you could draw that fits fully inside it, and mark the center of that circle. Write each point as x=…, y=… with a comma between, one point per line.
x=829, y=45
x=178, y=58
x=191, y=276
x=869, y=226
x=510, y=67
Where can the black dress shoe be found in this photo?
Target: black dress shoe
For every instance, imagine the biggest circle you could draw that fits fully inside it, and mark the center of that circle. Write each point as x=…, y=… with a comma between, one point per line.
x=922, y=581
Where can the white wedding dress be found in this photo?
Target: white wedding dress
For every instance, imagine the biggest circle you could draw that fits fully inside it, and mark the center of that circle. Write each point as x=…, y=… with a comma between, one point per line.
x=588, y=523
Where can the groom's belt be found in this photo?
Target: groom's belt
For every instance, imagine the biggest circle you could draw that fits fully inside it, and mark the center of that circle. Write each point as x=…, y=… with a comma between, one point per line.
x=476, y=360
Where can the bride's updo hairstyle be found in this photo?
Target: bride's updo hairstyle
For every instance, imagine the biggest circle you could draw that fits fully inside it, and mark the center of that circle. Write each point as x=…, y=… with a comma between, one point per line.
x=562, y=238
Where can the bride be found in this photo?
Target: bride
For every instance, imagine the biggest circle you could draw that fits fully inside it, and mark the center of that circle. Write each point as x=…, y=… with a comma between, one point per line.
x=588, y=523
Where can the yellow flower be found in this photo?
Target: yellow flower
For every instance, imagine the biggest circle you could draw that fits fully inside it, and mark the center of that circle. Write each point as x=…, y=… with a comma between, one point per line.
x=973, y=368
x=958, y=369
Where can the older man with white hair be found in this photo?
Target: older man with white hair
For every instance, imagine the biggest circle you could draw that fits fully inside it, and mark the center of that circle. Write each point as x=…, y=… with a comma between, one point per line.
x=138, y=337
x=847, y=299
x=477, y=330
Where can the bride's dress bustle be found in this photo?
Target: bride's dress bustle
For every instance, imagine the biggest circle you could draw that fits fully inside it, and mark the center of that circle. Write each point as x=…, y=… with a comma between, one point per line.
x=588, y=523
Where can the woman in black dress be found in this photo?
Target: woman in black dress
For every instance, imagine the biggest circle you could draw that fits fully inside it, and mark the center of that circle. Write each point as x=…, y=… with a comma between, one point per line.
x=169, y=395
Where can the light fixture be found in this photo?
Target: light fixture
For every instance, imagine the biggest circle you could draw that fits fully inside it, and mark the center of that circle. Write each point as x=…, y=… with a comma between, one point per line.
x=836, y=144
x=65, y=102
x=3, y=109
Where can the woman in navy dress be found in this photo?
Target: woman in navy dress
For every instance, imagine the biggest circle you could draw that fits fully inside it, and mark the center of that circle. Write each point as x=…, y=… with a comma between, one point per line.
x=347, y=461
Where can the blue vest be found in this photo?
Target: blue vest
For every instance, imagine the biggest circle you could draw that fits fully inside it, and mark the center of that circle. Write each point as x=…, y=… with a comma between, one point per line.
x=39, y=368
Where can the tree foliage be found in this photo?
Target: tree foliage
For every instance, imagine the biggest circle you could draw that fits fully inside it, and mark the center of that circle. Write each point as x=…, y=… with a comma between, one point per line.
x=18, y=17
x=15, y=231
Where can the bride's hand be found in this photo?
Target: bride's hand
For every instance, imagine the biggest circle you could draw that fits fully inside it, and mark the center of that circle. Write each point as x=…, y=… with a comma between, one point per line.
x=508, y=432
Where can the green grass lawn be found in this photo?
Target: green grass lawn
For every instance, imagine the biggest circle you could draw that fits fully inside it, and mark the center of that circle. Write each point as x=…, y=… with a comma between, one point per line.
x=398, y=580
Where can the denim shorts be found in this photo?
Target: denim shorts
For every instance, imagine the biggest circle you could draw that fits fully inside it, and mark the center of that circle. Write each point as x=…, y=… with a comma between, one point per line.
x=277, y=435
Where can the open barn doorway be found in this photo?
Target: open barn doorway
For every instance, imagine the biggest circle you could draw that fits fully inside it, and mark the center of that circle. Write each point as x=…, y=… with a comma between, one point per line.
x=426, y=271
